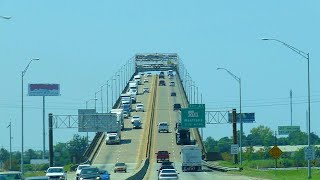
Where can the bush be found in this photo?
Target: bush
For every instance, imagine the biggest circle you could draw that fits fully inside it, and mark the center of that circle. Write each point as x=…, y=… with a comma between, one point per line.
x=69, y=167
x=226, y=156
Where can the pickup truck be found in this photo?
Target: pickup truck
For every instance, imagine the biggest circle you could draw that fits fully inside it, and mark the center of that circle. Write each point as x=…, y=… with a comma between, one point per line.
x=162, y=156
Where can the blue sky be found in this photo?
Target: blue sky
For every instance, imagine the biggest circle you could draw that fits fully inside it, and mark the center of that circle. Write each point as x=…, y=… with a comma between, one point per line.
x=82, y=44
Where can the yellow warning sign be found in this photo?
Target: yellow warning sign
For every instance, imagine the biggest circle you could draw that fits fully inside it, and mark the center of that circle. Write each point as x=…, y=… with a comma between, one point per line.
x=275, y=152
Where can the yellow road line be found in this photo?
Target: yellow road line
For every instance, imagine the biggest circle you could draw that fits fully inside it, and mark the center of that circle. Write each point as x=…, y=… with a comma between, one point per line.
x=155, y=117
x=142, y=144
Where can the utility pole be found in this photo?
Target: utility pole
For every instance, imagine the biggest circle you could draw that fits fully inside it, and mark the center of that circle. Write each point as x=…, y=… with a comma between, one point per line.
x=291, y=106
x=9, y=126
x=234, y=130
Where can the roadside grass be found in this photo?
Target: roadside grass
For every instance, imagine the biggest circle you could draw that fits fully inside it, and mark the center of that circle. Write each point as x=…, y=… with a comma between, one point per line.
x=272, y=174
x=34, y=173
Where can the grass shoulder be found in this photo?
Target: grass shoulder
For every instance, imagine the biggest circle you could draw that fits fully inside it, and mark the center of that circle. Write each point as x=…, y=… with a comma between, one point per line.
x=294, y=174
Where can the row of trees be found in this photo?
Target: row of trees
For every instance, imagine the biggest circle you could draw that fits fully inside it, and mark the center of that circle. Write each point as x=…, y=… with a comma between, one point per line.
x=65, y=153
x=260, y=136
x=263, y=136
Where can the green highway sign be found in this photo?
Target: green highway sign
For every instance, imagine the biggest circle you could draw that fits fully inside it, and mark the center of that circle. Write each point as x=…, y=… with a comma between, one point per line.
x=193, y=116
x=285, y=130
x=197, y=106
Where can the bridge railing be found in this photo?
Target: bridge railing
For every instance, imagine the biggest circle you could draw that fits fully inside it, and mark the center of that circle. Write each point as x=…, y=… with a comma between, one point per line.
x=141, y=172
x=94, y=146
x=197, y=133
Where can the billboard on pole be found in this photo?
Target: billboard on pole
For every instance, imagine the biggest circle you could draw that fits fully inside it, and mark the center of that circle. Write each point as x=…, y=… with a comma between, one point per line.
x=44, y=90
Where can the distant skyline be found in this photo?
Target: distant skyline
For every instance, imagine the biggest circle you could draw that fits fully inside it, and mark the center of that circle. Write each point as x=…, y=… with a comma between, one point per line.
x=82, y=44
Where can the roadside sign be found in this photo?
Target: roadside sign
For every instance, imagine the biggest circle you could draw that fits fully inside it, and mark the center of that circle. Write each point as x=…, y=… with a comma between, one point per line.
x=286, y=130
x=309, y=153
x=246, y=117
x=193, y=117
x=275, y=152
x=234, y=148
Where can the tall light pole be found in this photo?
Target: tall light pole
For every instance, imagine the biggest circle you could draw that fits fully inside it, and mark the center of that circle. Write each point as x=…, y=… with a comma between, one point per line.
x=113, y=79
x=9, y=126
x=22, y=134
x=306, y=56
x=108, y=96
x=95, y=99
x=241, y=124
x=119, y=83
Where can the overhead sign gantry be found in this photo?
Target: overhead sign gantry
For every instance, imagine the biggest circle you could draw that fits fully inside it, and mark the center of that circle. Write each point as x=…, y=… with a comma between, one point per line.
x=156, y=61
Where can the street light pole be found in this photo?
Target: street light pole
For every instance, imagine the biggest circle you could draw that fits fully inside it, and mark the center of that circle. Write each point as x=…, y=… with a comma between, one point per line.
x=9, y=126
x=107, y=96
x=241, y=123
x=307, y=57
x=22, y=134
x=95, y=99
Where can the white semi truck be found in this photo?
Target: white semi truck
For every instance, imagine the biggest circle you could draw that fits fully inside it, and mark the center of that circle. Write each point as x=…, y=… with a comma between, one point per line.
x=191, y=158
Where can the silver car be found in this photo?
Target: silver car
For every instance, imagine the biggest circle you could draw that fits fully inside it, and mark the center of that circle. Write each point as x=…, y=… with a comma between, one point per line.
x=168, y=174
x=139, y=107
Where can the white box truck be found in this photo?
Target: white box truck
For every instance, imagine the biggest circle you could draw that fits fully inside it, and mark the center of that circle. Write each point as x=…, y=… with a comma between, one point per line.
x=120, y=117
x=191, y=158
x=113, y=133
x=133, y=87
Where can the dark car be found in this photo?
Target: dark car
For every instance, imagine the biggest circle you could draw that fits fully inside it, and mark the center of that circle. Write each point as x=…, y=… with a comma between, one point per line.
x=161, y=75
x=14, y=175
x=176, y=107
x=162, y=83
x=166, y=163
x=173, y=94
x=89, y=173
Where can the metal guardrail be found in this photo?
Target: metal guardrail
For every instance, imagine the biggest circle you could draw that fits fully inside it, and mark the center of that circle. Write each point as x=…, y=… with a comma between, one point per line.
x=219, y=168
x=141, y=172
x=92, y=149
x=197, y=134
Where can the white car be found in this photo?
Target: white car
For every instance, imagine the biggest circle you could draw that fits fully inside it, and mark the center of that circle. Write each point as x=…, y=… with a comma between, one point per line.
x=81, y=166
x=149, y=75
x=139, y=107
x=56, y=173
x=168, y=174
x=146, y=80
x=172, y=83
x=135, y=118
x=163, y=127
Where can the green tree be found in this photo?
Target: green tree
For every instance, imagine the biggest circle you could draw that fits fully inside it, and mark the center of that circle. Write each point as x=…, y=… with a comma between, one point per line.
x=224, y=144
x=62, y=155
x=77, y=147
x=210, y=144
x=298, y=138
x=4, y=155
x=261, y=135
